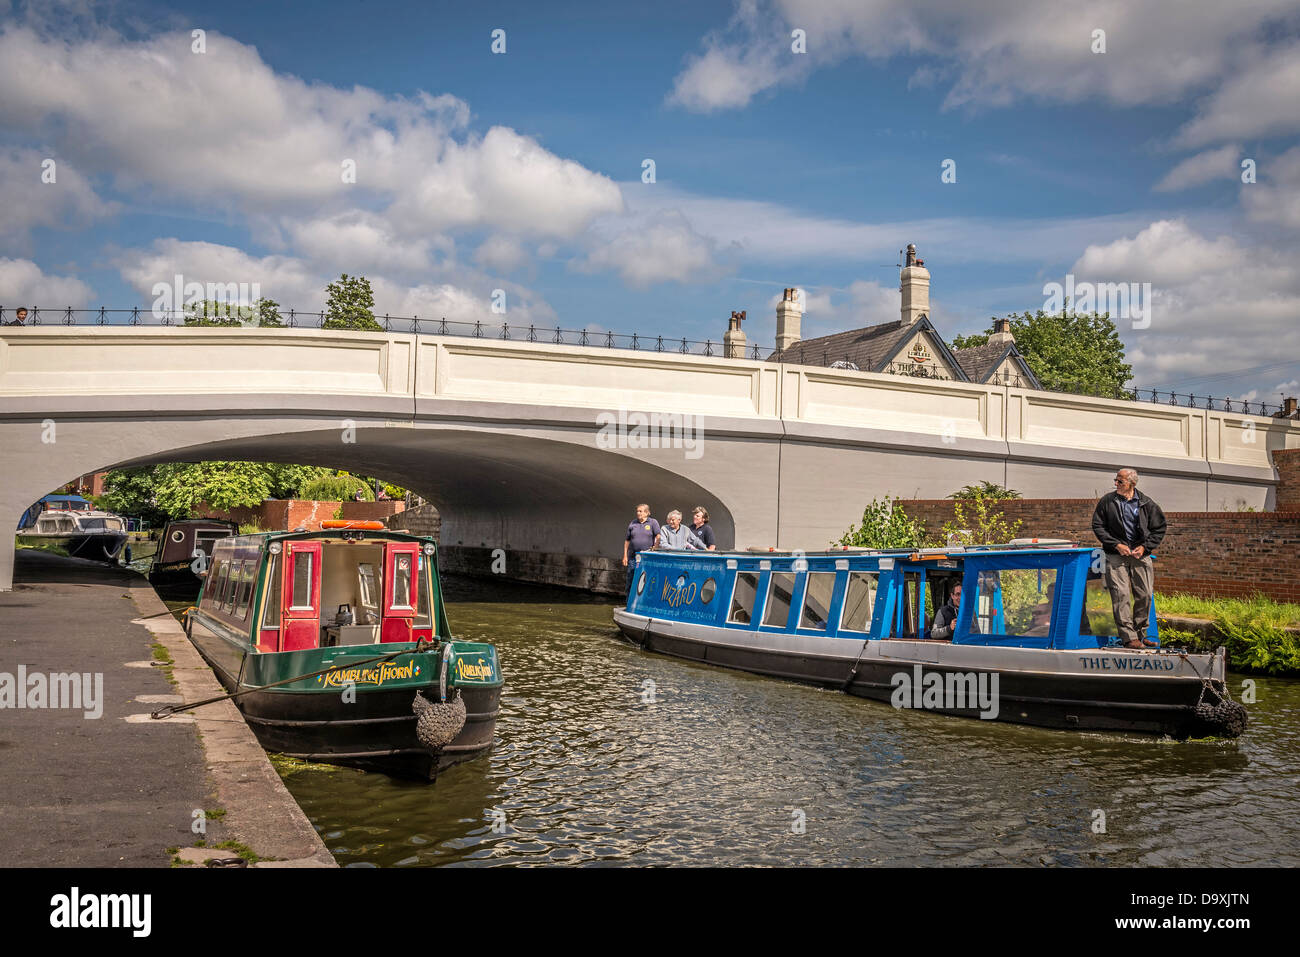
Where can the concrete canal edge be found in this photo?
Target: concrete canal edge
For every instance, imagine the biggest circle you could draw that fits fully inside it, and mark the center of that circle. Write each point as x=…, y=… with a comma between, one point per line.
x=260, y=812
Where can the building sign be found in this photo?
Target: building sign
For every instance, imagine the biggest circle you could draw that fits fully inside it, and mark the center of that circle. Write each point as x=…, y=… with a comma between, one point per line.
x=919, y=353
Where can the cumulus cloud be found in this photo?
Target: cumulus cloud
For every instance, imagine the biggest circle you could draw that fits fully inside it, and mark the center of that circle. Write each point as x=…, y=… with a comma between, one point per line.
x=664, y=247
x=1202, y=168
x=504, y=254
x=223, y=128
x=29, y=201
x=1216, y=304
x=23, y=283
x=993, y=54
x=1275, y=196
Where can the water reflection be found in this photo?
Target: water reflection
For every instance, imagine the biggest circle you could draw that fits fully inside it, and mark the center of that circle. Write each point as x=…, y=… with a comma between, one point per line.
x=727, y=768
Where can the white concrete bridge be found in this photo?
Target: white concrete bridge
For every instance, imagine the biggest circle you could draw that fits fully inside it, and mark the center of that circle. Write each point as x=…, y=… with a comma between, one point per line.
x=517, y=442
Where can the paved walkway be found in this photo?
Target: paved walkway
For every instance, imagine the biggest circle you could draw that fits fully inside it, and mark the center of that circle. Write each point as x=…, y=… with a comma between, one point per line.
x=120, y=788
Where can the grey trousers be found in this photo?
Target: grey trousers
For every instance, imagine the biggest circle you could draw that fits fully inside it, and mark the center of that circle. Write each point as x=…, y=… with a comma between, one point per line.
x=1122, y=574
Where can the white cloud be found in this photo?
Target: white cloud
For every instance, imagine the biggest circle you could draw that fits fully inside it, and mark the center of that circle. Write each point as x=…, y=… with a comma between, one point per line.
x=995, y=53
x=26, y=201
x=502, y=253
x=1275, y=196
x=222, y=128
x=659, y=248
x=23, y=283
x=357, y=241
x=1202, y=168
x=1218, y=306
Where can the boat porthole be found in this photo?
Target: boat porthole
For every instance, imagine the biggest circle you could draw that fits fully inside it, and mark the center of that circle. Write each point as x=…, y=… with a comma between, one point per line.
x=640, y=584
x=707, y=590
x=178, y=536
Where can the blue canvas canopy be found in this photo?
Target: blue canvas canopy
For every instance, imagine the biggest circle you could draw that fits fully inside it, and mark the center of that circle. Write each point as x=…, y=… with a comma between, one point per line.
x=48, y=502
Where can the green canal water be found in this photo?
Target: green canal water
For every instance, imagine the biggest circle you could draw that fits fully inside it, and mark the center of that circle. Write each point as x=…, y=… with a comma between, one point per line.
x=726, y=768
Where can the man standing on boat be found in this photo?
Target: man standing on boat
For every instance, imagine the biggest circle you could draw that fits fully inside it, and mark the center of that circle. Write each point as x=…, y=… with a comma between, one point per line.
x=677, y=536
x=1130, y=527
x=641, y=534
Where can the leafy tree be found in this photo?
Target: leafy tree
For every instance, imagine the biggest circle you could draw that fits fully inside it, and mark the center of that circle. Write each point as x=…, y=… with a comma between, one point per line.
x=264, y=312
x=1067, y=352
x=885, y=525
x=980, y=527
x=268, y=312
x=174, y=490
x=350, y=304
x=337, y=488
x=988, y=490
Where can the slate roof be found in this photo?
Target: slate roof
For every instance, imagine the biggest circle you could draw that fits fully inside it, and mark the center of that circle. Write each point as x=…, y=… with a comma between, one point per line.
x=870, y=348
x=979, y=362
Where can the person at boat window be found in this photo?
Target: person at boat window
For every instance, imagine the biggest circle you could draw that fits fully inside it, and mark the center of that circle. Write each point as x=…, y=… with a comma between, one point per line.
x=945, y=619
x=700, y=526
x=1130, y=526
x=641, y=535
x=676, y=537
x=20, y=317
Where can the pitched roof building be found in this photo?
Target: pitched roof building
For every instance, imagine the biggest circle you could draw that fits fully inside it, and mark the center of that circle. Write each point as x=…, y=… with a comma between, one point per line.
x=909, y=345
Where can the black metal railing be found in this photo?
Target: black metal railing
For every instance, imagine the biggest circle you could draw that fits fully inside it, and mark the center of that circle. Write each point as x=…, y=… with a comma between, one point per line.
x=607, y=339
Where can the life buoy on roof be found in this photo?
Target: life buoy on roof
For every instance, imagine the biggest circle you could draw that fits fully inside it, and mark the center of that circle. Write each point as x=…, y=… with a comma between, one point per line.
x=348, y=523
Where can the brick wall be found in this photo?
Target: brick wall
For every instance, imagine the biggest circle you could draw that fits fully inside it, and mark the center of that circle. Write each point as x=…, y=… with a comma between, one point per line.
x=421, y=520
x=283, y=514
x=1287, y=462
x=1211, y=554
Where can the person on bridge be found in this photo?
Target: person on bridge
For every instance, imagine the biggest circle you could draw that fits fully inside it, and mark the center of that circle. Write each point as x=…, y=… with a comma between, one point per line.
x=676, y=536
x=1130, y=527
x=641, y=534
x=20, y=317
x=700, y=526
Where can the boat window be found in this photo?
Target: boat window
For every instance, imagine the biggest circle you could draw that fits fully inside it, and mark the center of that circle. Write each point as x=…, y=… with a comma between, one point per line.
x=178, y=536
x=368, y=586
x=859, y=601
x=216, y=578
x=424, y=604
x=402, y=581
x=1014, y=601
x=742, y=598
x=708, y=590
x=817, y=600
x=911, y=594
x=271, y=617
x=232, y=585
x=780, y=591
x=245, y=587
x=301, y=597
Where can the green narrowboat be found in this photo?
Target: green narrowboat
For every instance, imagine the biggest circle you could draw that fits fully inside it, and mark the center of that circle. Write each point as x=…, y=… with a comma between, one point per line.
x=338, y=645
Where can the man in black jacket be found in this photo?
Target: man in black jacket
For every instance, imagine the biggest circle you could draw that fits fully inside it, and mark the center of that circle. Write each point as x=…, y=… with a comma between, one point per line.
x=1129, y=526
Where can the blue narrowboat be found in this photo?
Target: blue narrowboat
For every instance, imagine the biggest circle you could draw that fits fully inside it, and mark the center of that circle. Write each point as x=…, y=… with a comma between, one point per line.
x=1030, y=640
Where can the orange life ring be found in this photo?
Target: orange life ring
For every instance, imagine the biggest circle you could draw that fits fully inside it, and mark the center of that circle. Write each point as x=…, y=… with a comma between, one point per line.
x=350, y=523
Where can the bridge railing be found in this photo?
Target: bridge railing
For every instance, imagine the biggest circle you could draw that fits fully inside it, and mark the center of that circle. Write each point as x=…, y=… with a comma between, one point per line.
x=606, y=339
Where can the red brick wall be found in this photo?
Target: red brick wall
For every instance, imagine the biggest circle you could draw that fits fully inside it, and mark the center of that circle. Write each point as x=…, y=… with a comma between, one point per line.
x=1211, y=554
x=283, y=514
x=1288, y=479
x=373, y=511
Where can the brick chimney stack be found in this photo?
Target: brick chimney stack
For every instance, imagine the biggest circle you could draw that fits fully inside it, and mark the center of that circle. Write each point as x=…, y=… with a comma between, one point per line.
x=914, y=284
x=1002, y=334
x=1289, y=408
x=733, y=342
x=789, y=314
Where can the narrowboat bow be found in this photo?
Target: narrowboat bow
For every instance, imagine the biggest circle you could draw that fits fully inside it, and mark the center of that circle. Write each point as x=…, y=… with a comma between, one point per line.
x=349, y=627
x=1029, y=642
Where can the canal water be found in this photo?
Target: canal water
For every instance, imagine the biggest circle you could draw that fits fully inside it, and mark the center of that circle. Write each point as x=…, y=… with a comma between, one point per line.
x=610, y=755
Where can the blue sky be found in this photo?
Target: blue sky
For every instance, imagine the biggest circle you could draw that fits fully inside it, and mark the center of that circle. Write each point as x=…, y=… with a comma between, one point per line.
x=522, y=170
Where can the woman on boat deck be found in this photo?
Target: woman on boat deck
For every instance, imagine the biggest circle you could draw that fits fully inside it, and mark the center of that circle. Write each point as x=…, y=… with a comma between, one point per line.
x=676, y=536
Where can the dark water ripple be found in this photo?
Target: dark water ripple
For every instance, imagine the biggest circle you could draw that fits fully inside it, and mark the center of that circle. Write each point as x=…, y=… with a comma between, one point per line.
x=721, y=767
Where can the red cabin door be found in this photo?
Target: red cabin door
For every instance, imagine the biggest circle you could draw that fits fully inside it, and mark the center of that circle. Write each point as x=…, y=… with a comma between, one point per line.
x=300, y=588
x=401, y=591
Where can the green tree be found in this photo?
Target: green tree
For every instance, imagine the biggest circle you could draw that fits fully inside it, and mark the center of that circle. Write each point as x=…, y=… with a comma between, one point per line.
x=885, y=525
x=1067, y=352
x=337, y=488
x=980, y=526
x=988, y=490
x=175, y=489
x=263, y=312
x=350, y=304
x=131, y=492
